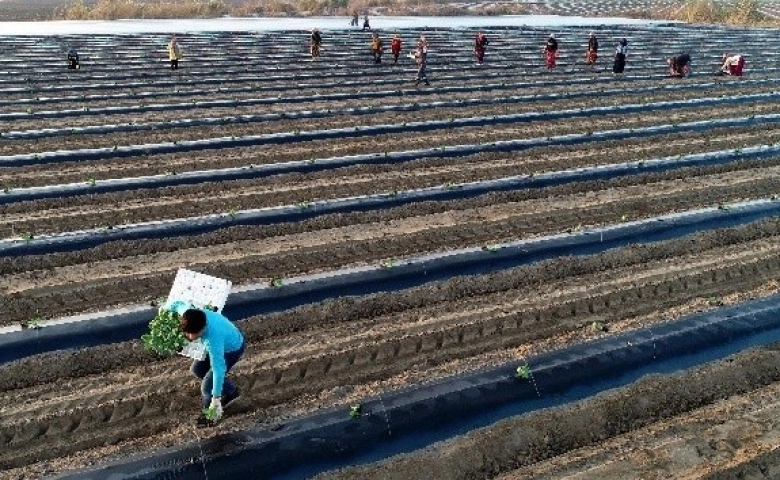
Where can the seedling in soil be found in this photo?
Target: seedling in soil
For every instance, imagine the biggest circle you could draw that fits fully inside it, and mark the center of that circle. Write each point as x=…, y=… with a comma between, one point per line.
x=165, y=336
x=7, y=190
x=310, y=161
x=170, y=173
x=723, y=207
x=33, y=323
x=27, y=236
x=715, y=302
x=210, y=413
x=157, y=302
x=232, y=213
x=304, y=204
x=387, y=264
x=91, y=182
x=276, y=282
x=105, y=227
x=598, y=327
x=355, y=411
x=624, y=218
x=490, y=248
x=523, y=372
x=392, y=193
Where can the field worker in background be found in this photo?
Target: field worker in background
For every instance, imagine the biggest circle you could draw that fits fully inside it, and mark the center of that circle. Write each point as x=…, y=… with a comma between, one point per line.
x=174, y=53
x=376, y=48
x=621, y=54
x=355, y=20
x=593, y=50
x=480, y=45
x=732, y=65
x=395, y=48
x=550, y=51
x=366, y=25
x=421, y=58
x=224, y=344
x=316, y=43
x=680, y=65
x=73, y=59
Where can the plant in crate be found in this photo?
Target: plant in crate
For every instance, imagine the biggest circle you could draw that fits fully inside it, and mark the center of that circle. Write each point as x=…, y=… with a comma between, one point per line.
x=165, y=336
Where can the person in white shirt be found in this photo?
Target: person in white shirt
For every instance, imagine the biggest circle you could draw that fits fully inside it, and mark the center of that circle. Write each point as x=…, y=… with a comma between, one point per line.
x=732, y=65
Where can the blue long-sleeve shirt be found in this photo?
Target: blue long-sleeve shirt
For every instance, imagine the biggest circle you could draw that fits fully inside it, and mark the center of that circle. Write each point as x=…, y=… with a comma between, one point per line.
x=220, y=336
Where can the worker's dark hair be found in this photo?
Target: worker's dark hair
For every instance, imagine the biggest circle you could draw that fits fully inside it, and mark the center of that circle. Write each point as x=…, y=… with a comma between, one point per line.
x=193, y=321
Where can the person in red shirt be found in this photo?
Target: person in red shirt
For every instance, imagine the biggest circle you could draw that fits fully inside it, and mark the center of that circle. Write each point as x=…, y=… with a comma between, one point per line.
x=550, y=51
x=593, y=50
x=395, y=48
x=480, y=44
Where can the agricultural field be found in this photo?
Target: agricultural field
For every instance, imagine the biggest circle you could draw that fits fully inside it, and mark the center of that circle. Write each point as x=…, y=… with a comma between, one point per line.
x=256, y=164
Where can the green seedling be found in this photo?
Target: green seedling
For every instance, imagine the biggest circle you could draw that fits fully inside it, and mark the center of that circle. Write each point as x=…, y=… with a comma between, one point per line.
x=157, y=302
x=491, y=248
x=304, y=204
x=392, y=193
x=387, y=264
x=91, y=182
x=232, y=213
x=27, y=236
x=210, y=413
x=105, y=227
x=170, y=173
x=310, y=161
x=355, y=411
x=33, y=323
x=276, y=282
x=523, y=372
x=598, y=327
x=715, y=302
x=165, y=336
x=624, y=218
x=7, y=190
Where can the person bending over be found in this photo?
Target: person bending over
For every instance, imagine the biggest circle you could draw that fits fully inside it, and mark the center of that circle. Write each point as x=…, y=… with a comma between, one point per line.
x=224, y=345
x=679, y=66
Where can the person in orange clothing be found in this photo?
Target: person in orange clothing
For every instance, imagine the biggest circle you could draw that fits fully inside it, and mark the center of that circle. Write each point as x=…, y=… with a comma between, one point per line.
x=377, y=48
x=395, y=47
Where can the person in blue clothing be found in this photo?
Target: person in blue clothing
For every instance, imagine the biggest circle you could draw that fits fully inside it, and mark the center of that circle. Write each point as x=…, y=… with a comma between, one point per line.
x=224, y=345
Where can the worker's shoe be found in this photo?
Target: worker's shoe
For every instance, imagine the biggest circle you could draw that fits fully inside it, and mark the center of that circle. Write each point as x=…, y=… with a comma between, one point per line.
x=228, y=399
